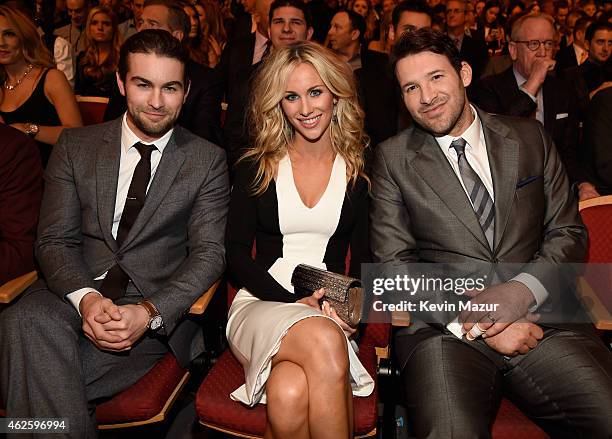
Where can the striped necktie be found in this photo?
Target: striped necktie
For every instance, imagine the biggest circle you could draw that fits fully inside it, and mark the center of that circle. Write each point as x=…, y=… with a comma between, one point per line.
x=481, y=200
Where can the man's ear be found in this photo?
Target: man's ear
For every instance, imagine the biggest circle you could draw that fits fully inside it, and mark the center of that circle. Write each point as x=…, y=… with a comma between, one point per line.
x=178, y=34
x=512, y=50
x=587, y=45
x=120, y=84
x=355, y=34
x=309, y=33
x=465, y=73
x=391, y=35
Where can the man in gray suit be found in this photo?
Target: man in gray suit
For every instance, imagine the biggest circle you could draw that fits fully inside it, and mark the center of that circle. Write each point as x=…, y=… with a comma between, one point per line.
x=464, y=186
x=131, y=233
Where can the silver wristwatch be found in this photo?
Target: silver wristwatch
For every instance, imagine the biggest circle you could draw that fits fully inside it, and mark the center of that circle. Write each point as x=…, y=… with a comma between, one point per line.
x=155, y=318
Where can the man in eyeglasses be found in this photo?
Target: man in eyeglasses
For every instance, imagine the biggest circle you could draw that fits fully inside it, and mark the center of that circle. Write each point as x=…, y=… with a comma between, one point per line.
x=529, y=88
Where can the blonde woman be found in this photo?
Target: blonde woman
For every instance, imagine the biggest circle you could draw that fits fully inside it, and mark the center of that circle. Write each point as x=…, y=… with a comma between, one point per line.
x=35, y=97
x=300, y=193
x=97, y=64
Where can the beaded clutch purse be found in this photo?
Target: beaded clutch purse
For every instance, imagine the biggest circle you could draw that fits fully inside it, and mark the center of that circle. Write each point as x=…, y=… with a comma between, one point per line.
x=345, y=294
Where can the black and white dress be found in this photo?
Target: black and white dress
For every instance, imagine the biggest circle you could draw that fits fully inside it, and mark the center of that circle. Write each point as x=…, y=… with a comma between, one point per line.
x=287, y=233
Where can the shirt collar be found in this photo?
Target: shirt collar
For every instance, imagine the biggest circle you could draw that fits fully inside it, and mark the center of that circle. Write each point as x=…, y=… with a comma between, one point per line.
x=129, y=138
x=260, y=40
x=471, y=135
x=520, y=79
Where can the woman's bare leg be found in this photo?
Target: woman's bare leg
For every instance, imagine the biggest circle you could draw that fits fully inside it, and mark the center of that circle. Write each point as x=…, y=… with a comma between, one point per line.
x=318, y=346
x=287, y=402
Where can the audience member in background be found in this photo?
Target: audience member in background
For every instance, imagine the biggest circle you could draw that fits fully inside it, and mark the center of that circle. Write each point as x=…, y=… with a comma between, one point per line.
x=472, y=50
x=321, y=14
x=596, y=144
x=560, y=15
x=590, y=8
x=194, y=42
x=533, y=8
x=21, y=187
x=290, y=22
x=73, y=32
x=375, y=86
x=130, y=26
x=383, y=43
x=570, y=24
x=97, y=64
x=515, y=7
x=201, y=113
x=470, y=19
x=294, y=351
x=596, y=71
x=577, y=52
x=528, y=89
x=213, y=32
x=490, y=29
x=35, y=97
x=407, y=15
x=364, y=8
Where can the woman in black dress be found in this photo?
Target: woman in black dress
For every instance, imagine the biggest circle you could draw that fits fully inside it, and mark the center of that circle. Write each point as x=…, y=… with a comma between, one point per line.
x=35, y=97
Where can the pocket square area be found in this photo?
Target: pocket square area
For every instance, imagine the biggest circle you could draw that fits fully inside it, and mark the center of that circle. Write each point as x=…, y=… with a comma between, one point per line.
x=561, y=116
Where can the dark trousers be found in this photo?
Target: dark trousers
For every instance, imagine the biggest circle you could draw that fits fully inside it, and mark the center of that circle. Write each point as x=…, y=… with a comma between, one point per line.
x=453, y=390
x=49, y=369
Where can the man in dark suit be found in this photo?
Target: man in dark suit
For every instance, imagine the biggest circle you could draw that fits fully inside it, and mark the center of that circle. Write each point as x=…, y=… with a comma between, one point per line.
x=289, y=22
x=201, y=113
x=597, y=143
x=464, y=186
x=131, y=233
x=375, y=86
x=529, y=88
x=472, y=50
x=575, y=53
x=20, y=194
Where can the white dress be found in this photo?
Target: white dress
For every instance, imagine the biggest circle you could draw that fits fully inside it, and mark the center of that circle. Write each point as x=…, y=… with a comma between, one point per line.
x=256, y=327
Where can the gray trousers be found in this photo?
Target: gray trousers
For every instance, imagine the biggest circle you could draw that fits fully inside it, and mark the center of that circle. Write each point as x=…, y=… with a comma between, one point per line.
x=453, y=390
x=49, y=369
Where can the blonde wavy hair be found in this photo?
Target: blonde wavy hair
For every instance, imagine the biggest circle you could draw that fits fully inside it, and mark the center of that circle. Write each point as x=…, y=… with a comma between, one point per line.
x=272, y=133
x=32, y=47
x=90, y=61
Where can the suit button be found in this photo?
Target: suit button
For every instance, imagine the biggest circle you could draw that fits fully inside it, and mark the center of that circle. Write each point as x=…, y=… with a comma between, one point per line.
x=119, y=256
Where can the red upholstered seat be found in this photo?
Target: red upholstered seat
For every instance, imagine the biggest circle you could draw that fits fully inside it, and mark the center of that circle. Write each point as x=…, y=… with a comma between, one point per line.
x=598, y=221
x=216, y=410
x=511, y=423
x=145, y=399
x=92, y=109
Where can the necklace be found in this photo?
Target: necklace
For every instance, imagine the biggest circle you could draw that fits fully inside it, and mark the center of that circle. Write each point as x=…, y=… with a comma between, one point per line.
x=19, y=81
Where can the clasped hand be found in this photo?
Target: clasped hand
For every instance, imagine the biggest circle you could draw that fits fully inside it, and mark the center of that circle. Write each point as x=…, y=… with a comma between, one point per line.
x=112, y=327
x=327, y=309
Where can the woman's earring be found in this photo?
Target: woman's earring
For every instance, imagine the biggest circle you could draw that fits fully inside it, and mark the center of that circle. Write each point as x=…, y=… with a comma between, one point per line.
x=334, y=116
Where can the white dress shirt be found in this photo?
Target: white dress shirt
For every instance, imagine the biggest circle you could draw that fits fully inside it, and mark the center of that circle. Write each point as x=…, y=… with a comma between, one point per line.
x=477, y=157
x=127, y=165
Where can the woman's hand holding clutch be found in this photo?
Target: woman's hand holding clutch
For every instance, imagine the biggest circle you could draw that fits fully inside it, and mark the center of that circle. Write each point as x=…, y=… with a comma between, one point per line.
x=313, y=299
x=329, y=311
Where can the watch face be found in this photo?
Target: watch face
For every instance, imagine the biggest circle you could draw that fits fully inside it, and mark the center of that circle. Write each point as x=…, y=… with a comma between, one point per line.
x=155, y=323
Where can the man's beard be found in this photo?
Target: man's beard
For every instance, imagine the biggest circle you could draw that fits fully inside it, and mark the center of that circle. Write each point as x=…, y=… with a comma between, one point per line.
x=149, y=128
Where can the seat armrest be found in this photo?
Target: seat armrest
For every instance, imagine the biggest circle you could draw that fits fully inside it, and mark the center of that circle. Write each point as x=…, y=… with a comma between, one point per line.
x=200, y=305
x=400, y=318
x=15, y=287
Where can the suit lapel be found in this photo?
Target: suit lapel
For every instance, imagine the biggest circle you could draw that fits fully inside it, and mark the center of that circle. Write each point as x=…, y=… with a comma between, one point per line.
x=433, y=167
x=108, y=156
x=503, y=155
x=548, y=98
x=169, y=166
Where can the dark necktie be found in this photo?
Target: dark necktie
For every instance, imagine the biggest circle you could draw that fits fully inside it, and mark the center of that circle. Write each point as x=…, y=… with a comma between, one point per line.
x=116, y=279
x=481, y=200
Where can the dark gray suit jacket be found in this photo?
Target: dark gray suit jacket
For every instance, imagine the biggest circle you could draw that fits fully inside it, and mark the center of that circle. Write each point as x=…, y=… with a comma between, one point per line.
x=175, y=249
x=420, y=212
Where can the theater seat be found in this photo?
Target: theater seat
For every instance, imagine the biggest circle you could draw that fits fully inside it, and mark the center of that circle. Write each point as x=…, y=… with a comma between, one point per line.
x=150, y=399
x=511, y=423
x=92, y=109
x=217, y=411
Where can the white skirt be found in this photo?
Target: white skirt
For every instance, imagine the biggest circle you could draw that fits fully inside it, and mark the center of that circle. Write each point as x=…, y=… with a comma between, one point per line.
x=255, y=329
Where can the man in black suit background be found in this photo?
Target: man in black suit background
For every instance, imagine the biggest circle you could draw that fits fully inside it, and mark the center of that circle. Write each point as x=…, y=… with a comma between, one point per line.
x=201, y=113
x=530, y=89
x=472, y=50
x=575, y=53
x=289, y=22
x=375, y=85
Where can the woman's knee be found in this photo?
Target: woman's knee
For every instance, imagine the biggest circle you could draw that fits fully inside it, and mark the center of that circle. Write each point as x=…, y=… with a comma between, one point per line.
x=328, y=346
x=287, y=391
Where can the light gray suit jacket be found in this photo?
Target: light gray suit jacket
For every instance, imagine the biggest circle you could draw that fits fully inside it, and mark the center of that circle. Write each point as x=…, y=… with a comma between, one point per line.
x=175, y=249
x=420, y=212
